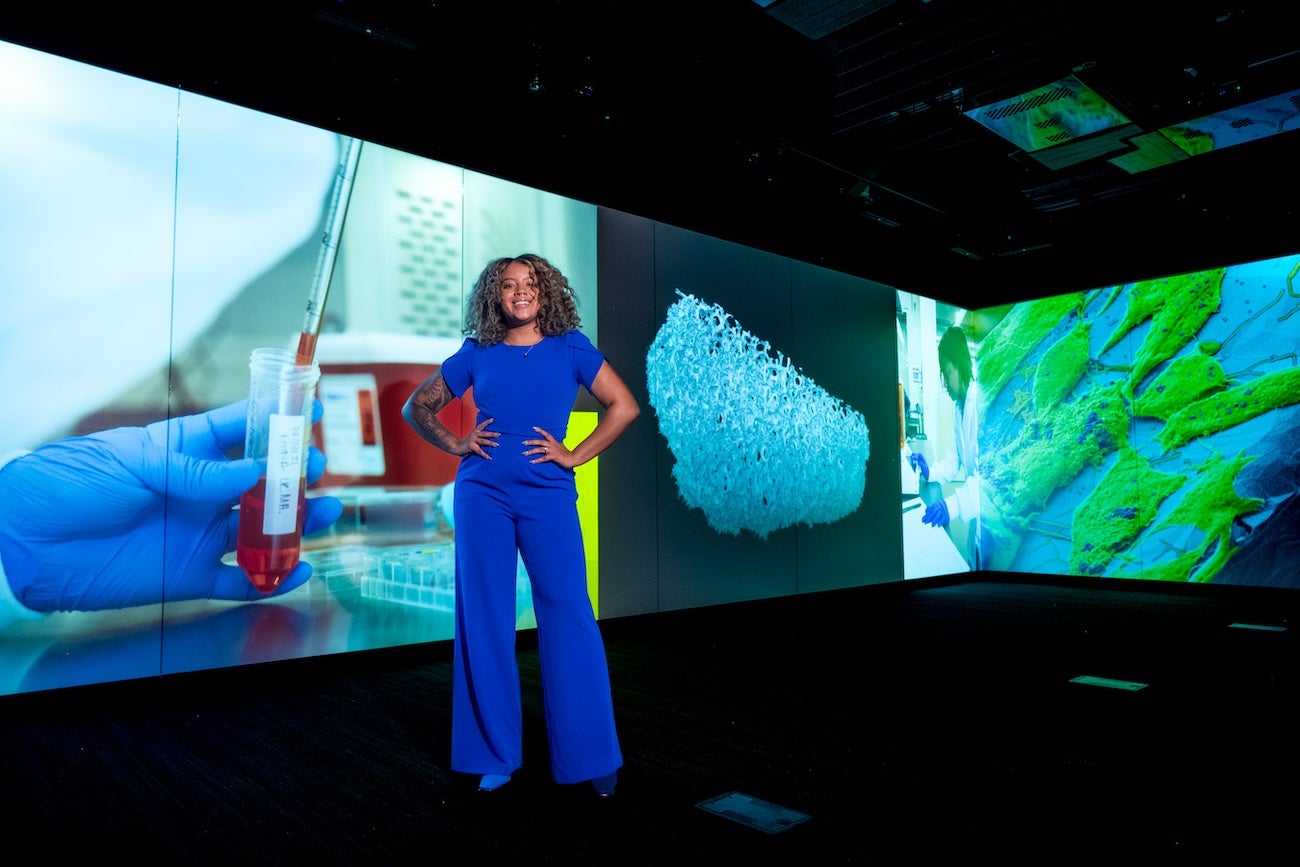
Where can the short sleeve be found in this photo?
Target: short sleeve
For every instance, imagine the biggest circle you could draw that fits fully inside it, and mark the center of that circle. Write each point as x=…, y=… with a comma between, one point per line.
x=586, y=358
x=457, y=371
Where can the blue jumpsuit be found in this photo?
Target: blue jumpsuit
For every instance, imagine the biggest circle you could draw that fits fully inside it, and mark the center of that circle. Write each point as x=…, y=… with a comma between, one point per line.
x=506, y=508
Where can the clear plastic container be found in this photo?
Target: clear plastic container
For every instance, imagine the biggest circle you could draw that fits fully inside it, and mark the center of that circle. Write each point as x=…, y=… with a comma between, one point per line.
x=271, y=513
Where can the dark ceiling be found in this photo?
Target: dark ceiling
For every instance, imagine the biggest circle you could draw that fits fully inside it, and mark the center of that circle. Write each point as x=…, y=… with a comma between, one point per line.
x=833, y=132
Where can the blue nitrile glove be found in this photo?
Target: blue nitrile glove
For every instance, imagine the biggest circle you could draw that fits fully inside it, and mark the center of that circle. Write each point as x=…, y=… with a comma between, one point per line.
x=917, y=460
x=138, y=515
x=936, y=513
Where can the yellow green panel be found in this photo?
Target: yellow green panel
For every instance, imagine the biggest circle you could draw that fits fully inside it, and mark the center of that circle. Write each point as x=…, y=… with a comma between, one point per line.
x=587, y=478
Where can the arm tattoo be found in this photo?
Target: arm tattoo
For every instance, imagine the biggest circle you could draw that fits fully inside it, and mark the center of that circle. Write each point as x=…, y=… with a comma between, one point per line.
x=425, y=405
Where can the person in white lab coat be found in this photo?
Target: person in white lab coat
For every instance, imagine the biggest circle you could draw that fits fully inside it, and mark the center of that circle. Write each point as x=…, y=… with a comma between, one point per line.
x=961, y=503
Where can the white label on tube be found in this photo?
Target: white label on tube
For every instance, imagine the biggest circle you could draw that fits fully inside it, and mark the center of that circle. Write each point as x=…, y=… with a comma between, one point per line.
x=283, y=472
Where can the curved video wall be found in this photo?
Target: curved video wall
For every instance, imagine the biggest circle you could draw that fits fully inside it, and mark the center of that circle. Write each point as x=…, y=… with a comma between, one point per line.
x=802, y=429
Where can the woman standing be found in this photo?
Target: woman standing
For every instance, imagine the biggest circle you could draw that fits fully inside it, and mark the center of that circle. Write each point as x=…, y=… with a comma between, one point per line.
x=514, y=497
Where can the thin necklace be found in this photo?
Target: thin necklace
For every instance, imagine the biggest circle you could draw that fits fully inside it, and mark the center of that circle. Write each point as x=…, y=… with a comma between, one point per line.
x=533, y=346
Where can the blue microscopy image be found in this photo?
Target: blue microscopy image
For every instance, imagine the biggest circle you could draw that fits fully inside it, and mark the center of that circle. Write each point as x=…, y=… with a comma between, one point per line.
x=758, y=446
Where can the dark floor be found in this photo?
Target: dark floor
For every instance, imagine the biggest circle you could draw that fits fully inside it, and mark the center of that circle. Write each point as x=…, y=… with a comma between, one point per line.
x=908, y=723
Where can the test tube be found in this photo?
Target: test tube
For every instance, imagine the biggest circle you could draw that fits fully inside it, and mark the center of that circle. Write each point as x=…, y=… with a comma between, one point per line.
x=278, y=435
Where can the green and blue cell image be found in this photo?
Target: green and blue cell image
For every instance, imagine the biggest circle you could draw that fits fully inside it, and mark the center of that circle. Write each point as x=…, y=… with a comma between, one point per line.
x=1147, y=430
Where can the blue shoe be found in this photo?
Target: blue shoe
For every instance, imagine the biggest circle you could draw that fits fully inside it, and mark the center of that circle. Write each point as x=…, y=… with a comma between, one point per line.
x=492, y=782
x=604, y=786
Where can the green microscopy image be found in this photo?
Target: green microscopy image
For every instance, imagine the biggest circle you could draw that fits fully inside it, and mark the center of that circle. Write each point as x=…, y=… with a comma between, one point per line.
x=1177, y=308
x=1231, y=407
x=1148, y=430
x=1015, y=336
x=1063, y=365
x=1186, y=379
x=1118, y=511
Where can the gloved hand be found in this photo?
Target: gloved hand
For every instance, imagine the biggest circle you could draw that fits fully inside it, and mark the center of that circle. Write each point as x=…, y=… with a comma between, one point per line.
x=936, y=514
x=138, y=515
x=917, y=460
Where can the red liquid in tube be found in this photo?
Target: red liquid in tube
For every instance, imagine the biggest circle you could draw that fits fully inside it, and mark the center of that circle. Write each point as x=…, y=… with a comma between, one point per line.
x=306, y=348
x=267, y=559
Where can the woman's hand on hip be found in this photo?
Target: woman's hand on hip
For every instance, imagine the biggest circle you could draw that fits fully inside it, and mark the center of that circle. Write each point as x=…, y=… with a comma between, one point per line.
x=479, y=438
x=547, y=449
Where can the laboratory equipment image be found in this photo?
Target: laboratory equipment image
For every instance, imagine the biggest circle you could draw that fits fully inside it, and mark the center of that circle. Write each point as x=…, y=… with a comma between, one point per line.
x=366, y=377
x=198, y=245
x=282, y=389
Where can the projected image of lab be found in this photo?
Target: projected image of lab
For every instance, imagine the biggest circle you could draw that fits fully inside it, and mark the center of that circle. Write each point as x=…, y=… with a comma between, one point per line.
x=158, y=256
x=939, y=422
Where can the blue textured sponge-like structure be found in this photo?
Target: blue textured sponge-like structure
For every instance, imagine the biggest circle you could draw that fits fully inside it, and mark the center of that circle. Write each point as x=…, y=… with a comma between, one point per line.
x=758, y=445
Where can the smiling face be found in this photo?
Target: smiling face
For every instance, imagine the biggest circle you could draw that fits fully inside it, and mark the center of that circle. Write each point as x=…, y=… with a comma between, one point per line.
x=520, y=297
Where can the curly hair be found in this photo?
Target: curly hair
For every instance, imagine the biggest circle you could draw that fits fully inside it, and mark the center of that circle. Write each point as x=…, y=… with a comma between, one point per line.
x=557, y=309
